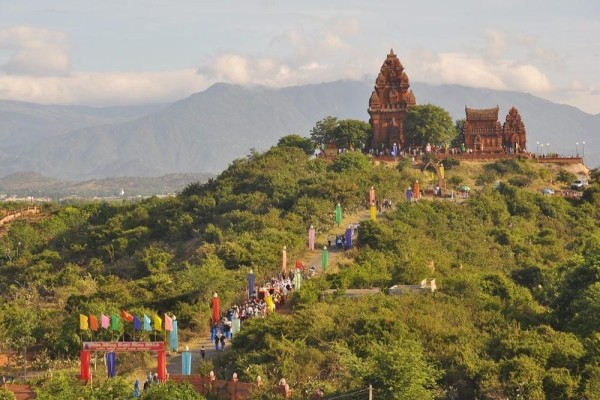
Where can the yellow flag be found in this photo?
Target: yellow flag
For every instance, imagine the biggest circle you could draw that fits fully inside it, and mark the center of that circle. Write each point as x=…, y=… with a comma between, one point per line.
x=157, y=323
x=83, y=322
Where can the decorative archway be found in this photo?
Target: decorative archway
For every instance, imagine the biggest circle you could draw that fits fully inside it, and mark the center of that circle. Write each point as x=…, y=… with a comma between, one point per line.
x=88, y=347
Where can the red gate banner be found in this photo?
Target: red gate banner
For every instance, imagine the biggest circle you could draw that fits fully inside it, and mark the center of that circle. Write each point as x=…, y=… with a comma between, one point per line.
x=124, y=346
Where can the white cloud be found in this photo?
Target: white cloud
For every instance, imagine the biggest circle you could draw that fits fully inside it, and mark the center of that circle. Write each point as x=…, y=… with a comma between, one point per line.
x=523, y=77
x=232, y=68
x=34, y=51
x=99, y=89
x=468, y=70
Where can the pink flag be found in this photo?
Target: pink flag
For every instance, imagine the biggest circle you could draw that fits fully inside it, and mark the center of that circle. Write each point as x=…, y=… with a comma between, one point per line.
x=283, y=258
x=311, y=238
x=104, y=321
x=168, y=323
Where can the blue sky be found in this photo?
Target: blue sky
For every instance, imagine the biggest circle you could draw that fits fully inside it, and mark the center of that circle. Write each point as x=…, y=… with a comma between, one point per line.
x=116, y=52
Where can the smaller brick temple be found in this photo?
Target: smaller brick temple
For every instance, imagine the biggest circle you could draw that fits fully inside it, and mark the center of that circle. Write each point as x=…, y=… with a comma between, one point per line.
x=389, y=104
x=515, y=137
x=483, y=133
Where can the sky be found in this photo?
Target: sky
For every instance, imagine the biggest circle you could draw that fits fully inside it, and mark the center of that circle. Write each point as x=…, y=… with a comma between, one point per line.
x=128, y=52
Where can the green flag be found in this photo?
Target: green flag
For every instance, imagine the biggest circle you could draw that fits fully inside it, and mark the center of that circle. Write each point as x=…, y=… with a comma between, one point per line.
x=114, y=322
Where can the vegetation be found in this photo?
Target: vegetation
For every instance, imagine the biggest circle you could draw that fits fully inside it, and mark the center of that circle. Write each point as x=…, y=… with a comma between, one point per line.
x=428, y=124
x=348, y=133
x=516, y=313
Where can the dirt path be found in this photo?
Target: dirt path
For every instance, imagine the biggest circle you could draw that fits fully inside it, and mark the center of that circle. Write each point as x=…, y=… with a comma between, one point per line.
x=195, y=346
x=308, y=259
x=335, y=254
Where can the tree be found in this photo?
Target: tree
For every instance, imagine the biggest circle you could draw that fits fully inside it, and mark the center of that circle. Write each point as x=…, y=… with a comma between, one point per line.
x=18, y=324
x=428, y=124
x=351, y=161
x=400, y=371
x=565, y=176
x=323, y=131
x=352, y=133
x=6, y=394
x=458, y=139
x=595, y=174
x=307, y=145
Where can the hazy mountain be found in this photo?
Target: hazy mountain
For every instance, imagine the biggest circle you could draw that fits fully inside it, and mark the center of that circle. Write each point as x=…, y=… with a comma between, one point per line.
x=23, y=184
x=208, y=130
x=28, y=123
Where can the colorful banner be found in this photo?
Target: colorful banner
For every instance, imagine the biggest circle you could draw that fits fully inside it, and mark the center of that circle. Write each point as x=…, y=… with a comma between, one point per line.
x=283, y=258
x=93, y=323
x=124, y=346
x=137, y=323
x=168, y=323
x=250, y=285
x=215, y=309
x=83, y=322
x=349, y=238
x=157, y=323
x=174, y=342
x=114, y=322
x=324, y=258
x=147, y=326
x=104, y=321
x=186, y=363
x=126, y=316
x=111, y=364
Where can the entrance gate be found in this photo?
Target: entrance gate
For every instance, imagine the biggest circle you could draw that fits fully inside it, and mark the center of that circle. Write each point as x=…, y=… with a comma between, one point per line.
x=158, y=347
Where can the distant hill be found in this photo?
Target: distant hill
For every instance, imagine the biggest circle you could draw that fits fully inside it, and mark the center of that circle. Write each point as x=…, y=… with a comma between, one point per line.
x=23, y=184
x=28, y=123
x=208, y=130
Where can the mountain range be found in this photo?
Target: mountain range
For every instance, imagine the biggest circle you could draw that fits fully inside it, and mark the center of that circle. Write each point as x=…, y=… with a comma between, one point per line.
x=206, y=131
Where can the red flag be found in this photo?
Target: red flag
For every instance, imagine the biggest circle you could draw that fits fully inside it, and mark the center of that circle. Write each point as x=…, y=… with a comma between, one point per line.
x=126, y=316
x=93, y=323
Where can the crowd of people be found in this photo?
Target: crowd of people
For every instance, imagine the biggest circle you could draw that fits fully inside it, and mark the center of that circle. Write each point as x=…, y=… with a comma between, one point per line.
x=261, y=302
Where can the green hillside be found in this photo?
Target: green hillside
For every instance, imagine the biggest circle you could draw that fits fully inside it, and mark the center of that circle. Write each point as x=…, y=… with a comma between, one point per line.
x=515, y=314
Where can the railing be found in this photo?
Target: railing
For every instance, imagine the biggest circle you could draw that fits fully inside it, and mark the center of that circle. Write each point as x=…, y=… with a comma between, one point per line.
x=11, y=216
x=21, y=392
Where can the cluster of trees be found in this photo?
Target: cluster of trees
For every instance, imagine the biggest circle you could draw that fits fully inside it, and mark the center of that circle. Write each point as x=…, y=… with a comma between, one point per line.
x=425, y=124
x=516, y=313
x=170, y=255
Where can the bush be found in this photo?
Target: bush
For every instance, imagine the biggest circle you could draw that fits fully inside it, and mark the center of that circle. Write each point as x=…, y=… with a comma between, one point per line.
x=450, y=163
x=456, y=180
x=565, y=176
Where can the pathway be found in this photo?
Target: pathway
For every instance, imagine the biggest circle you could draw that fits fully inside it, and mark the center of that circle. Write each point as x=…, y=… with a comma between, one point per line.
x=308, y=259
x=315, y=257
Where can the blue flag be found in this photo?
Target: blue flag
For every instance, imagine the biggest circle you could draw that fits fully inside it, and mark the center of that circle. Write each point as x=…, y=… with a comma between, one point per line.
x=174, y=340
x=137, y=324
x=147, y=326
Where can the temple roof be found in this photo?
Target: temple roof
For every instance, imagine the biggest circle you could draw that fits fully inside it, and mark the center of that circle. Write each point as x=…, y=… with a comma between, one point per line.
x=482, y=114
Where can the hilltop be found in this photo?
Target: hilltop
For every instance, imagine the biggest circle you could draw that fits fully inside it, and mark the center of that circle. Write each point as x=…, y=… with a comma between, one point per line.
x=515, y=311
